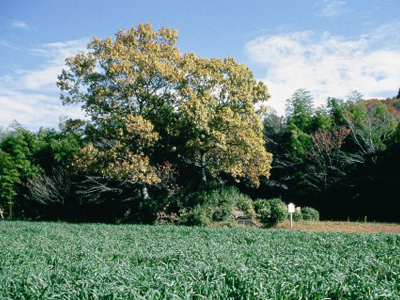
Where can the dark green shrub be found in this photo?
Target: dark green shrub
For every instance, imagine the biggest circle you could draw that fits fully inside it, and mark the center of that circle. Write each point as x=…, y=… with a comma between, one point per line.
x=226, y=196
x=211, y=194
x=298, y=215
x=222, y=213
x=270, y=212
x=195, y=195
x=278, y=211
x=310, y=214
x=245, y=204
x=217, y=203
x=260, y=204
x=197, y=216
x=265, y=217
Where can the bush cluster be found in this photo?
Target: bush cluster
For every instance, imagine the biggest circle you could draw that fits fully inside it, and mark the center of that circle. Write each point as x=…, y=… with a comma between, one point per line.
x=214, y=204
x=217, y=204
x=298, y=214
x=306, y=214
x=310, y=214
x=270, y=212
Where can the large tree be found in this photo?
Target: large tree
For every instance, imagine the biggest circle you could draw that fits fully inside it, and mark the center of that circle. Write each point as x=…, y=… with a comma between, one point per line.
x=126, y=86
x=144, y=97
x=222, y=127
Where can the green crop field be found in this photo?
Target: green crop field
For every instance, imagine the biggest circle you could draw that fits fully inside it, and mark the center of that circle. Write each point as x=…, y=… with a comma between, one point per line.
x=88, y=261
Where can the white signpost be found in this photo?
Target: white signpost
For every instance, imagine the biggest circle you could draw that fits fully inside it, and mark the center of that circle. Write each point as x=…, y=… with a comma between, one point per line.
x=291, y=211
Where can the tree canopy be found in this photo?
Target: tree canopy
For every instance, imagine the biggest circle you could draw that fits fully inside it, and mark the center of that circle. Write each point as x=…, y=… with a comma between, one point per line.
x=144, y=96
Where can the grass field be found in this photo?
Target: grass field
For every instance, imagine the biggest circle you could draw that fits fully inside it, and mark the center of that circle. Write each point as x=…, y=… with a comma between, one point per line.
x=88, y=261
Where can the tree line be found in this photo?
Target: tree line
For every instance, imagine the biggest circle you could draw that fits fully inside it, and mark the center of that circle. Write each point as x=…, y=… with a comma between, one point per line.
x=341, y=158
x=164, y=129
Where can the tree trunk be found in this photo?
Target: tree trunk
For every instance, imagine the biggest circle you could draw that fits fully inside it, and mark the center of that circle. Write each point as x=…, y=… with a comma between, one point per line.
x=203, y=166
x=145, y=192
x=10, y=208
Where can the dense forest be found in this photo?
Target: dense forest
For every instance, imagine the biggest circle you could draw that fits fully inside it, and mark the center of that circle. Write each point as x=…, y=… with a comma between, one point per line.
x=341, y=158
x=169, y=134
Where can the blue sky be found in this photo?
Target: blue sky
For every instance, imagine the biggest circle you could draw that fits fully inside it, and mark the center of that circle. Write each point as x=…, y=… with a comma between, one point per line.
x=329, y=47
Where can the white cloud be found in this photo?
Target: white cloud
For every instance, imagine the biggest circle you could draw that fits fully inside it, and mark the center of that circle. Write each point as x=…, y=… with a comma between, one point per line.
x=57, y=52
x=8, y=45
x=328, y=66
x=33, y=110
x=333, y=8
x=44, y=77
x=30, y=95
x=20, y=25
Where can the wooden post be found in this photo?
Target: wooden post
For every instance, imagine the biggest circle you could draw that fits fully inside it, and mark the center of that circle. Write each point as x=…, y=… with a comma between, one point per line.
x=291, y=220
